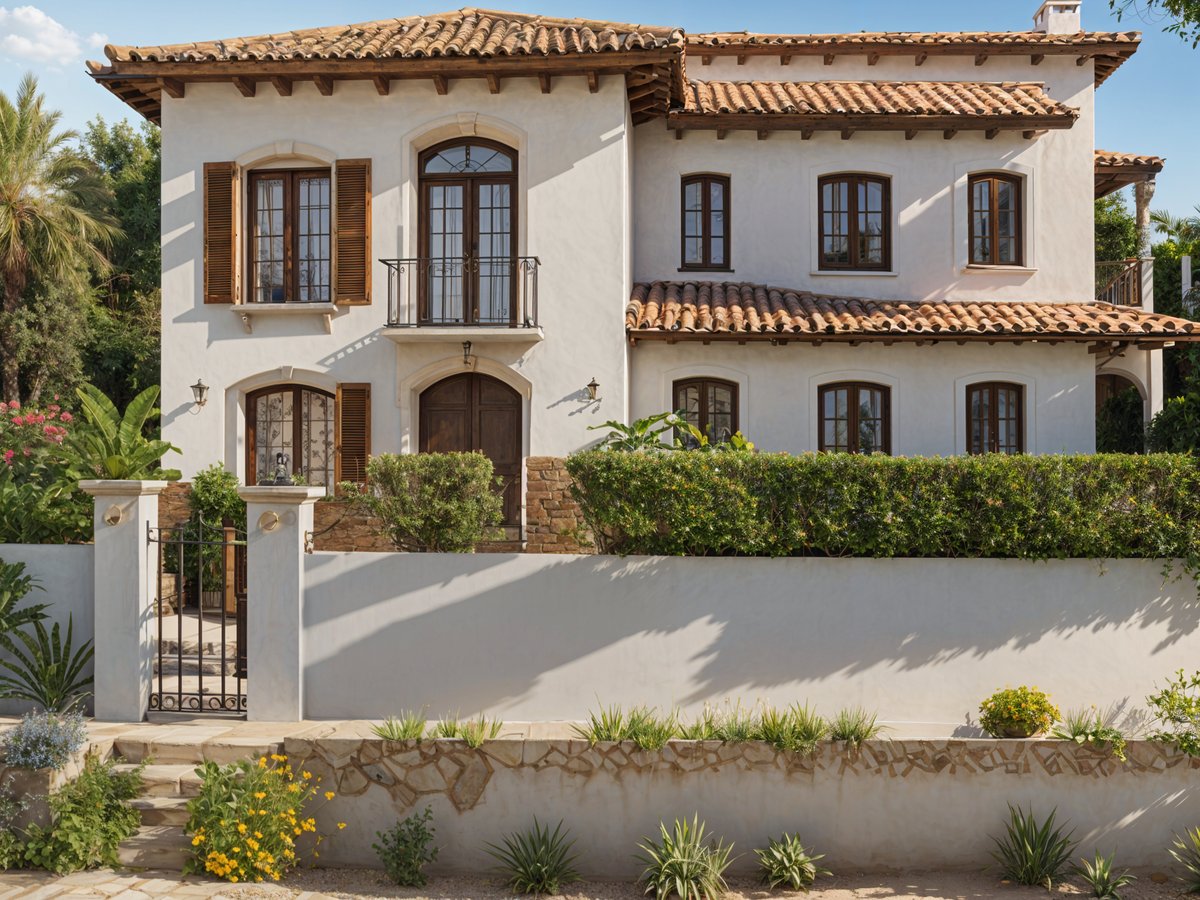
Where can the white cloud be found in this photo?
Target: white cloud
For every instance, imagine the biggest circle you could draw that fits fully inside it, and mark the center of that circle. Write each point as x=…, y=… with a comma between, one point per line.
x=28, y=34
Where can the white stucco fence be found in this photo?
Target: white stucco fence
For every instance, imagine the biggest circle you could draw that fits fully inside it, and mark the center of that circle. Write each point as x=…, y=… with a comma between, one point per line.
x=64, y=572
x=546, y=638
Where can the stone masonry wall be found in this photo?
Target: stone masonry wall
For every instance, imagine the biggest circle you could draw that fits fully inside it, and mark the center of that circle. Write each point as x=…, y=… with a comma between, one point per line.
x=553, y=520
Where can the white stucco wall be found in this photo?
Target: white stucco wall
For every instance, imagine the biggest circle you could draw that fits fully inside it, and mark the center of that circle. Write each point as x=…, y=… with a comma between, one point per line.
x=545, y=638
x=774, y=189
x=64, y=572
x=778, y=389
x=574, y=171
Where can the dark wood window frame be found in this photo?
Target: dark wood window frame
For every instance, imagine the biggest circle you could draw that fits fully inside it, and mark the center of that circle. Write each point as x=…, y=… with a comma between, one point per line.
x=706, y=180
x=471, y=212
x=993, y=388
x=852, y=414
x=291, y=233
x=251, y=417
x=854, y=179
x=994, y=179
x=703, y=383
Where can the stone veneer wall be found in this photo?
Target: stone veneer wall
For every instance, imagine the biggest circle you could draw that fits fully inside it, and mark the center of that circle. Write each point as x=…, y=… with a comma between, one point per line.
x=554, y=522
x=906, y=804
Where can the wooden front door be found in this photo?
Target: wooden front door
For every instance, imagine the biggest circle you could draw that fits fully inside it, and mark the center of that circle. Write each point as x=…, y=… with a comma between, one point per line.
x=477, y=412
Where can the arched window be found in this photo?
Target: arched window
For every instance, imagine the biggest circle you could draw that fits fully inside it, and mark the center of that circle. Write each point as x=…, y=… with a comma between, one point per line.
x=995, y=218
x=855, y=222
x=855, y=417
x=294, y=420
x=709, y=404
x=995, y=417
x=468, y=213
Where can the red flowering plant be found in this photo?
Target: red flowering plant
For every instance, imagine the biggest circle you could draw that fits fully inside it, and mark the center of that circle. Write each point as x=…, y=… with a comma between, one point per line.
x=38, y=500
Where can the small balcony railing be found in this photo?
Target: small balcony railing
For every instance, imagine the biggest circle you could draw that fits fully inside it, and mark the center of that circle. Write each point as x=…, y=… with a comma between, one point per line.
x=1120, y=282
x=473, y=291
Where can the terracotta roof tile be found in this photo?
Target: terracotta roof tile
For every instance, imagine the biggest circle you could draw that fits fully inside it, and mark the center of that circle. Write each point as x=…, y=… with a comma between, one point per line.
x=703, y=310
x=1114, y=159
x=915, y=98
x=735, y=39
x=466, y=32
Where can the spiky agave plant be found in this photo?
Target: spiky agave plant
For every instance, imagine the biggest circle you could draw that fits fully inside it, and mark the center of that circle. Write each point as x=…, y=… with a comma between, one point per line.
x=683, y=862
x=786, y=862
x=536, y=861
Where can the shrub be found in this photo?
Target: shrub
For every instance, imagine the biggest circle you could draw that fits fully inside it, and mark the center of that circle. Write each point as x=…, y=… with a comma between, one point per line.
x=112, y=444
x=249, y=820
x=1186, y=851
x=841, y=504
x=473, y=731
x=1088, y=726
x=536, y=861
x=1176, y=713
x=854, y=725
x=1100, y=877
x=785, y=863
x=12, y=850
x=1176, y=427
x=410, y=726
x=47, y=669
x=1030, y=853
x=436, y=502
x=1017, y=713
x=39, y=502
x=405, y=849
x=1119, y=425
x=214, y=496
x=44, y=740
x=684, y=863
x=90, y=816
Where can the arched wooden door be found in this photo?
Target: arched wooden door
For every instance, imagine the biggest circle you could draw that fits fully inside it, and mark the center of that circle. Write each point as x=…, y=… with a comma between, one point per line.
x=477, y=412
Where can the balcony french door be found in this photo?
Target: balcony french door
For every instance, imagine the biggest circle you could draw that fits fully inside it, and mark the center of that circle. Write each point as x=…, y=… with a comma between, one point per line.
x=468, y=234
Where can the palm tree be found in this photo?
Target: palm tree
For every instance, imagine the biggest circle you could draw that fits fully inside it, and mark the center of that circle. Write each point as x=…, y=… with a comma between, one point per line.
x=50, y=219
x=1183, y=230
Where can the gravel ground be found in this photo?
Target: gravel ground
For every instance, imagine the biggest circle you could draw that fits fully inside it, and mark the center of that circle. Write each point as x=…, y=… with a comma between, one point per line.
x=366, y=883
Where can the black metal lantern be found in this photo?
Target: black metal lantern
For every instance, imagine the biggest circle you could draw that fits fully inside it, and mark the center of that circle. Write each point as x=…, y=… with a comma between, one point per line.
x=593, y=389
x=200, y=392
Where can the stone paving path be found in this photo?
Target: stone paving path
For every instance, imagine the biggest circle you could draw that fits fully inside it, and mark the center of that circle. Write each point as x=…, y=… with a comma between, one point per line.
x=104, y=883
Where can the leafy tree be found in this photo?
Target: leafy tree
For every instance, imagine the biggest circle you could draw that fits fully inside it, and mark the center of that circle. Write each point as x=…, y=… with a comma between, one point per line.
x=51, y=329
x=1184, y=15
x=50, y=218
x=1116, y=229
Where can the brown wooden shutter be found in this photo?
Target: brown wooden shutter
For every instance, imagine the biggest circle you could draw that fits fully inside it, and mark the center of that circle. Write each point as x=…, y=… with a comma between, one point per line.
x=220, y=232
x=352, y=432
x=352, y=232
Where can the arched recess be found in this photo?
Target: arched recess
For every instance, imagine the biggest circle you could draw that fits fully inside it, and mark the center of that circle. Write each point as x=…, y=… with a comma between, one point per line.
x=297, y=421
x=236, y=395
x=1029, y=400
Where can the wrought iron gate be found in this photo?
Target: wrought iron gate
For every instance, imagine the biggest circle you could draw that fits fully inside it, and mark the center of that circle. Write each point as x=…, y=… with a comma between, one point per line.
x=200, y=612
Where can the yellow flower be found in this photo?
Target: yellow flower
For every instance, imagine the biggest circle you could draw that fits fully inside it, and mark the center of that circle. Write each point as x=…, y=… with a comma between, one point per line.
x=260, y=795
x=329, y=795
x=262, y=762
x=241, y=827
x=341, y=825
x=306, y=775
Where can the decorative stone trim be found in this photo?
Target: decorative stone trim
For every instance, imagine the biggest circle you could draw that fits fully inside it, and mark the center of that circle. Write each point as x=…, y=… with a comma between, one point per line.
x=412, y=771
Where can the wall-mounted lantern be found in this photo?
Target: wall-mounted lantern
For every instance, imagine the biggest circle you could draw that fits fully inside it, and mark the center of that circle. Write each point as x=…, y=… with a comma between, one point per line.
x=200, y=392
x=593, y=389
x=466, y=353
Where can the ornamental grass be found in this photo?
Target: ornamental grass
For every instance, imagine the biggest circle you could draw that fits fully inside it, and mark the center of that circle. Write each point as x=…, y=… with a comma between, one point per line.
x=254, y=822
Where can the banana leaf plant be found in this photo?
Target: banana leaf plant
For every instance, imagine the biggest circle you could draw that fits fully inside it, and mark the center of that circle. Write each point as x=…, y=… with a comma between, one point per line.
x=112, y=445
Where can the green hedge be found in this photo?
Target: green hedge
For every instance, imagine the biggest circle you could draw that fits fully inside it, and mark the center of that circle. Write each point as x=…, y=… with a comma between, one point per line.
x=759, y=504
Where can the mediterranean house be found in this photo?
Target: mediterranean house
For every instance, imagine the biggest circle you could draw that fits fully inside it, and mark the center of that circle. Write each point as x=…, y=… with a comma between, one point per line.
x=488, y=230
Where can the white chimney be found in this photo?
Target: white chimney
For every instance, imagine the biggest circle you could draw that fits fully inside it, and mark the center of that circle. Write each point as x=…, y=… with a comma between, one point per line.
x=1058, y=17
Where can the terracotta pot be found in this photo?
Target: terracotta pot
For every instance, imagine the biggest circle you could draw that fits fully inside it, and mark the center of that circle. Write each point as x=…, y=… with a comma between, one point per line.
x=1019, y=733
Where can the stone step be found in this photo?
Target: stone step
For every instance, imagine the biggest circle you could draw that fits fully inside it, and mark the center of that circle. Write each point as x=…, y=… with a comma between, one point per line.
x=192, y=647
x=163, y=780
x=162, y=810
x=156, y=847
x=171, y=664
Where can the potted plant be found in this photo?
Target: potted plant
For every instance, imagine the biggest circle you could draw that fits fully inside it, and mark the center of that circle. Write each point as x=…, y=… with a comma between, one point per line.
x=1021, y=712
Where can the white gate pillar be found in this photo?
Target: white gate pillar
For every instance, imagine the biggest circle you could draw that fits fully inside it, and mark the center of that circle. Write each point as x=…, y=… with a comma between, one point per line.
x=125, y=582
x=278, y=520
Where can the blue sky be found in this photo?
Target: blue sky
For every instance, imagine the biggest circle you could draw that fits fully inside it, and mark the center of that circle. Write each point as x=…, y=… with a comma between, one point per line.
x=1143, y=108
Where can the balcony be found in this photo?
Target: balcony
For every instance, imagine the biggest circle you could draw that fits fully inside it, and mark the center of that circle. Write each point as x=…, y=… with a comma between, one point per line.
x=480, y=298
x=1119, y=282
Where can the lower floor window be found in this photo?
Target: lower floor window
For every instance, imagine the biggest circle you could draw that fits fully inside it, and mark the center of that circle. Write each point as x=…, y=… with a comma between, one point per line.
x=995, y=418
x=855, y=417
x=708, y=404
x=297, y=422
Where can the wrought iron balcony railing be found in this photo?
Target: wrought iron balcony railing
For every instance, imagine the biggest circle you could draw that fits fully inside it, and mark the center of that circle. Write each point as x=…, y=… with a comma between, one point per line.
x=472, y=291
x=1119, y=282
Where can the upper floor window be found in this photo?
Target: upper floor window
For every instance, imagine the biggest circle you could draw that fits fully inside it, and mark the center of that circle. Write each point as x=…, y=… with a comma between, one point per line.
x=995, y=218
x=289, y=255
x=995, y=417
x=708, y=404
x=855, y=417
x=855, y=222
x=705, y=222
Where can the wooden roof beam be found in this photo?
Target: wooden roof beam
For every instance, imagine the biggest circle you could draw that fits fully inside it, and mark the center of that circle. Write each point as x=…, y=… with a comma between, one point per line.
x=785, y=59
x=246, y=86
x=921, y=57
x=545, y=82
x=872, y=59
x=991, y=133
x=829, y=58
x=763, y=134
x=593, y=79
x=493, y=83
x=1036, y=59
x=173, y=87
x=383, y=85
x=980, y=58
x=282, y=84
x=324, y=84
x=442, y=84
x=741, y=59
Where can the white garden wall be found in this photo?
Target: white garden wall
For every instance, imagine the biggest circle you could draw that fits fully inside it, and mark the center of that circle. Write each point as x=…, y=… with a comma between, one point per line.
x=543, y=638
x=64, y=572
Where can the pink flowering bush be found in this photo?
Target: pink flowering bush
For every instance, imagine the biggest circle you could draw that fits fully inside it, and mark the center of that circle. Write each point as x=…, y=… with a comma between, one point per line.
x=39, y=503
